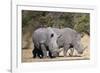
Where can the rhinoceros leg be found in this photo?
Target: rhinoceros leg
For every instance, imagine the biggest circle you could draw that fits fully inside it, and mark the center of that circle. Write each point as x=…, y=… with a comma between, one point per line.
x=66, y=47
x=40, y=53
x=34, y=53
x=44, y=50
x=37, y=52
x=71, y=51
x=71, y=48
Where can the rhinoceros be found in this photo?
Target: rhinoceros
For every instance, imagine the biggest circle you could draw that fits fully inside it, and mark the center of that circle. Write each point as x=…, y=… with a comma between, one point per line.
x=69, y=39
x=66, y=38
x=44, y=40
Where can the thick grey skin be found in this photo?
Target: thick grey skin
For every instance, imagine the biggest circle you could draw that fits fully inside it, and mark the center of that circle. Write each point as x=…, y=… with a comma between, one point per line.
x=65, y=38
x=45, y=37
x=69, y=39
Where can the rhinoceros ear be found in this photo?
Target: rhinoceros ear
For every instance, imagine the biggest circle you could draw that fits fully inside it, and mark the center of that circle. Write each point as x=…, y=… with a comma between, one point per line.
x=52, y=35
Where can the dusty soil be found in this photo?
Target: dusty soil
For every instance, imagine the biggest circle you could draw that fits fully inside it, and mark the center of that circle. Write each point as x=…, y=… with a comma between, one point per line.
x=27, y=54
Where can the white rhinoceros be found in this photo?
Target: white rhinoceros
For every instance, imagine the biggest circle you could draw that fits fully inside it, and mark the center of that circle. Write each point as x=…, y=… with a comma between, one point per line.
x=69, y=39
x=44, y=40
x=52, y=39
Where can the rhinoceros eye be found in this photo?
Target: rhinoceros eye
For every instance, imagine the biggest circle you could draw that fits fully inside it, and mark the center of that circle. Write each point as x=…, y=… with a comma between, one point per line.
x=52, y=35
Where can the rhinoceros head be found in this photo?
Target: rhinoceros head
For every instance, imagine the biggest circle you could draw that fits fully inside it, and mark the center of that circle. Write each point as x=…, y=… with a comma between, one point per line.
x=78, y=45
x=52, y=40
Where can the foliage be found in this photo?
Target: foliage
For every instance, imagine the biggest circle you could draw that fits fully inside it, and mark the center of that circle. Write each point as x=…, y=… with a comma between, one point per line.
x=32, y=20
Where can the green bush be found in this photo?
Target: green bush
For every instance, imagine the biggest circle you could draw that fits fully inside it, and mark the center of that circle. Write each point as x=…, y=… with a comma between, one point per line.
x=32, y=20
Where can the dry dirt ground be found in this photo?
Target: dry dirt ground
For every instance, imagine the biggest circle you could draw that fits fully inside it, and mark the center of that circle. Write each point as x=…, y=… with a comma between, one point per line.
x=27, y=54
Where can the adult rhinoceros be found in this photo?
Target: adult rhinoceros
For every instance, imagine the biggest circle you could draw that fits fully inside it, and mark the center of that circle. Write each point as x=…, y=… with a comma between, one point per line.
x=69, y=39
x=44, y=39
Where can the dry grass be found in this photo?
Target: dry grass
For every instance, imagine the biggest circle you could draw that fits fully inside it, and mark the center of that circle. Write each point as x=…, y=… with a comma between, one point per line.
x=27, y=54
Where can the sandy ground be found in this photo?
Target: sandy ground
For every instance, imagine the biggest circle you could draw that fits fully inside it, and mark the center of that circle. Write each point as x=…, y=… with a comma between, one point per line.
x=27, y=54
